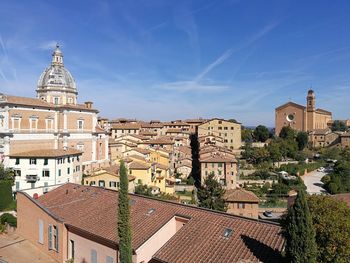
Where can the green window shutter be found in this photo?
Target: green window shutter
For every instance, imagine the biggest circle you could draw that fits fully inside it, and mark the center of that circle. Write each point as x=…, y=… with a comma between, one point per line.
x=57, y=239
x=50, y=236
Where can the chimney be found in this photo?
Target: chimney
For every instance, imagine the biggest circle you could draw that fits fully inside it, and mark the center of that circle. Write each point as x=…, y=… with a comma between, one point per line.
x=88, y=104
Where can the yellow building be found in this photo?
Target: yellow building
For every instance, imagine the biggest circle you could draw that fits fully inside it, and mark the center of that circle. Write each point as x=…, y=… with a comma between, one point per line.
x=228, y=131
x=152, y=175
x=159, y=156
x=108, y=178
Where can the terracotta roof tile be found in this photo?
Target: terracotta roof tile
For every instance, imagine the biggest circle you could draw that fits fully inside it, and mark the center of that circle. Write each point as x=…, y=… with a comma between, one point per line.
x=240, y=195
x=47, y=153
x=139, y=166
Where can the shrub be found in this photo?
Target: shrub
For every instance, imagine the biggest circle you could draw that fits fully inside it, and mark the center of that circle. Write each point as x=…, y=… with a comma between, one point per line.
x=5, y=194
x=9, y=219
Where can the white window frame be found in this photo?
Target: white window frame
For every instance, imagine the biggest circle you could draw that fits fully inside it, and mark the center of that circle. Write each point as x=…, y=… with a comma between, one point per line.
x=80, y=127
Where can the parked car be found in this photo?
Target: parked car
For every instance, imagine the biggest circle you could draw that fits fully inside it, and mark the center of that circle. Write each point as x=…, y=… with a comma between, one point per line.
x=268, y=213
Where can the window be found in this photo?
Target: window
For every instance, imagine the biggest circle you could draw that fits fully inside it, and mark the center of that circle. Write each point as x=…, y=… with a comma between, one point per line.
x=241, y=205
x=46, y=173
x=101, y=183
x=46, y=161
x=17, y=186
x=219, y=164
x=212, y=165
x=77, y=168
x=113, y=184
x=17, y=172
x=68, y=170
x=53, y=237
x=80, y=125
x=219, y=172
x=206, y=165
x=228, y=232
x=72, y=249
x=49, y=124
x=56, y=100
x=59, y=172
x=17, y=161
x=109, y=259
x=32, y=161
x=93, y=256
x=41, y=232
x=80, y=147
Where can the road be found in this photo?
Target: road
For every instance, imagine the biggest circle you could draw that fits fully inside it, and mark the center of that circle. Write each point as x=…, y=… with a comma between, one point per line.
x=313, y=182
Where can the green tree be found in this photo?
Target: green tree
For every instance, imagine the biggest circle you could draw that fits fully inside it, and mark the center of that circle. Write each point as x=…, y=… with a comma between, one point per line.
x=261, y=133
x=211, y=194
x=6, y=182
x=331, y=220
x=274, y=151
x=247, y=135
x=124, y=227
x=143, y=189
x=287, y=133
x=299, y=232
x=302, y=140
x=339, y=126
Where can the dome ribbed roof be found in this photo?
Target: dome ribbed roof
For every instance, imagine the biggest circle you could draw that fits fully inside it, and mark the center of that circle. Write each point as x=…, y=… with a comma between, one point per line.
x=56, y=76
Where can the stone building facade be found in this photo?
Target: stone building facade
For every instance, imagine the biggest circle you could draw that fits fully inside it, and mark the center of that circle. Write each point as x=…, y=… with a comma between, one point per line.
x=228, y=131
x=53, y=120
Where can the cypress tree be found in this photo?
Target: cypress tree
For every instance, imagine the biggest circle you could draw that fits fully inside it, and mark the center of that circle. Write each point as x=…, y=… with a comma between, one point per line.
x=299, y=232
x=124, y=228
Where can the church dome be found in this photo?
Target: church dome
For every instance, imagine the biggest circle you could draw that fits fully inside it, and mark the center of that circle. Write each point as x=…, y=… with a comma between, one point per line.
x=57, y=77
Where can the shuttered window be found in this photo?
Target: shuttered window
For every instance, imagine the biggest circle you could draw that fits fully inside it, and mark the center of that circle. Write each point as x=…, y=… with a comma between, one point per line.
x=50, y=236
x=41, y=231
x=93, y=256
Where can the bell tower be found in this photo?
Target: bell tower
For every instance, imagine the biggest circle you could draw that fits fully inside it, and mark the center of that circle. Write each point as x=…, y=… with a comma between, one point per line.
x=310, y=110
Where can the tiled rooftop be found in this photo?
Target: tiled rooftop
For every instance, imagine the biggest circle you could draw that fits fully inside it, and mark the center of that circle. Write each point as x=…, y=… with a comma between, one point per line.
x=201, y=239
x=47, y=153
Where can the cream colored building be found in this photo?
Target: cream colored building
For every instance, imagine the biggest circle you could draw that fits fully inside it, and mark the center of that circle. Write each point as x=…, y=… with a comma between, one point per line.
x=224, y=168
x=230, y=132
x=53, y=120
x=302, y=118
x=37, y=171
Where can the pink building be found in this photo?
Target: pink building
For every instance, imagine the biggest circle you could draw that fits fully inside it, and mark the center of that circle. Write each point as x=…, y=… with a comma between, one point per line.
x=80, y=222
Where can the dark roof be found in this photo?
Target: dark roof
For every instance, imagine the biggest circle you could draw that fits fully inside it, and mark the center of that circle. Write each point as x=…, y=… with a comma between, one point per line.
x=199, y=240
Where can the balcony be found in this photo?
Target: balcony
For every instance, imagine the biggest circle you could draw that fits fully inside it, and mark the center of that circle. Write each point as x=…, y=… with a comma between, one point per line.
x=32, y=178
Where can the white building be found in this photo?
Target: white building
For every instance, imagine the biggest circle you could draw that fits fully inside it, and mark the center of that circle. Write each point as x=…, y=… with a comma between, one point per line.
x=38, y=171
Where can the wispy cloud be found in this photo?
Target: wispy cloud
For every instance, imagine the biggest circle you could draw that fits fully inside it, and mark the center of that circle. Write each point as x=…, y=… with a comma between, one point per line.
x=185, y=86
x=213, y=65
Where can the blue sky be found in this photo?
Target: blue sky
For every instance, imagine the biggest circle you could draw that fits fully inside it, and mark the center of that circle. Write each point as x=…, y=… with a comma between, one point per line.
x=151, y=59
